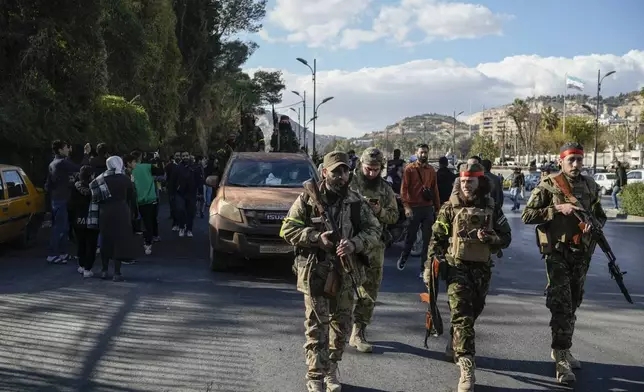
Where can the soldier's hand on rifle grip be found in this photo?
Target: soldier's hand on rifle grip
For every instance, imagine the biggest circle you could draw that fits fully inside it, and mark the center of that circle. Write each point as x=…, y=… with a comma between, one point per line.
x=345, y=248
x=566, y=208
x=327, y=239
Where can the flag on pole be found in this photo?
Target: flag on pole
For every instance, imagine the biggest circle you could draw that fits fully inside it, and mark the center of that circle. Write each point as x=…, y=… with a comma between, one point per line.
x=574, y=83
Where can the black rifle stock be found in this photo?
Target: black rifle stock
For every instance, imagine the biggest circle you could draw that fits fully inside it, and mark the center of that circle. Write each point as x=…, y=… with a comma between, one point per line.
x=311, y=188
x=598, y=235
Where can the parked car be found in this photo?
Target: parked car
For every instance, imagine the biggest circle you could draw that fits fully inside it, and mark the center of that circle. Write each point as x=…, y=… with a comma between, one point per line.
x=22, y=207
x=606, y=182
x=253, y=197
x=634, y=176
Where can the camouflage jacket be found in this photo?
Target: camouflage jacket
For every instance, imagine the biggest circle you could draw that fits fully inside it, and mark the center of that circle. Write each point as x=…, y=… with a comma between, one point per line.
x=299, y=230
x=388, y=210
x=251, y=140
x=442, y=229
x=540, y=208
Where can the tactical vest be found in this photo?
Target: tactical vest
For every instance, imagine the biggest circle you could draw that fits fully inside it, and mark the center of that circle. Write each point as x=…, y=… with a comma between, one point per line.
x=464, y=243
x=562, y=228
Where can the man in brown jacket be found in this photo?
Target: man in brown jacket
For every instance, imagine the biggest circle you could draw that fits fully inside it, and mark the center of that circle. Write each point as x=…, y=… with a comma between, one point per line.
x=420, y=197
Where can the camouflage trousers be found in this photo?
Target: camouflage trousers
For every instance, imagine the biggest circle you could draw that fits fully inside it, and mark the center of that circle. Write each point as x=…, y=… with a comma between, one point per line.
x=327, y=323
x=468, y=285
x=565, y=291
x=363, y=310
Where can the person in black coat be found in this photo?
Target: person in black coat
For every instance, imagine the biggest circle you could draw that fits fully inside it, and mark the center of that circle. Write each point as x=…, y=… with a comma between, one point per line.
x=86, y=237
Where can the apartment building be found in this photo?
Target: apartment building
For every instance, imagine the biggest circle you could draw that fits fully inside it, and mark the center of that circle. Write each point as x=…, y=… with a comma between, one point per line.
x=494, y=123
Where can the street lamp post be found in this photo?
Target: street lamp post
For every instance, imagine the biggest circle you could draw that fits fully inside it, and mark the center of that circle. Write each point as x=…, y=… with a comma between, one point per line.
x=599, y=86
x=306, y=147
x=454, y=136
x=299, y=125
x=313, y=72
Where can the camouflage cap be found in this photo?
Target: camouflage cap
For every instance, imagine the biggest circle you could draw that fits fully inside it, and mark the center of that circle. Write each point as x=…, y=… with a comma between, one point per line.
x=472, y=170
x=371, y=156
x=335, y=159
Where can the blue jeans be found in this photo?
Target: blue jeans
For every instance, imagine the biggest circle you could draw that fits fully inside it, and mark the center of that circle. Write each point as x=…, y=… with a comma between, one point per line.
x=59, y=228
x=616, y=190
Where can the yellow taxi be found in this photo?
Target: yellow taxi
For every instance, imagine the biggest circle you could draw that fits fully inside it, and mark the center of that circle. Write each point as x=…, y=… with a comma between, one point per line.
x=22, y=207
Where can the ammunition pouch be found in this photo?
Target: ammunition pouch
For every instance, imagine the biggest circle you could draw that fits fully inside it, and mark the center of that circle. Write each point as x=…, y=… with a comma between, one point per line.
x=314, y=277
x=544, y=242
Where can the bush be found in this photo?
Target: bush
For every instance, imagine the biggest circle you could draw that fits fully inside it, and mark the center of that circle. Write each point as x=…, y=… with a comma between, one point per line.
x=122, y=124
x=632, y=199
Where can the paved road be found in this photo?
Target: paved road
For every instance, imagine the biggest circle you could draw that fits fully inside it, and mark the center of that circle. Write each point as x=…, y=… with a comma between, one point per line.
x=174, y=326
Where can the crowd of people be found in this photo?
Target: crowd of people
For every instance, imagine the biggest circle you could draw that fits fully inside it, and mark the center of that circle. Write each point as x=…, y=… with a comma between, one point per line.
x=104, y=201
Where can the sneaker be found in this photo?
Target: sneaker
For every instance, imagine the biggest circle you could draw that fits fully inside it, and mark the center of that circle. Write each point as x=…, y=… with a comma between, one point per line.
x=156, y=239
x=175, y=228
x=189, y=233
x=88, y=274
x=63, y=259
x=80, y=269
x=182, y=233
x=128, y=262
x=147, y=249
x=53, y=259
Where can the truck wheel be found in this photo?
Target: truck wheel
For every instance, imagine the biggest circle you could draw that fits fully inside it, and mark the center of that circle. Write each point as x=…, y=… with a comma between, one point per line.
x=218, y=260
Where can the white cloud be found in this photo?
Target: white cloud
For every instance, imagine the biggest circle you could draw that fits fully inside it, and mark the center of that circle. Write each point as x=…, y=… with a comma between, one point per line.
x=335, y=22
x=370, y=98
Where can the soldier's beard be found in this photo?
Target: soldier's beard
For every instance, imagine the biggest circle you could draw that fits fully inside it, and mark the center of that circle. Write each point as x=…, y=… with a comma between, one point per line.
x=338, y=189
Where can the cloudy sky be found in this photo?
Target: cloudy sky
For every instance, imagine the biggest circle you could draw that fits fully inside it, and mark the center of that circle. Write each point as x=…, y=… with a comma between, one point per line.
x=383, y=60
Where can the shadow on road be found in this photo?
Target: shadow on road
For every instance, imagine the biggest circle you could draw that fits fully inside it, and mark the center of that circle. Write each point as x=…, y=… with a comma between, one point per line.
x=593, y=377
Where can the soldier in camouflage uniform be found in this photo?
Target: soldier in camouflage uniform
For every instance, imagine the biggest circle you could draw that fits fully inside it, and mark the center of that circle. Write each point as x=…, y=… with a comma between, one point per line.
x=368, y=182
x=252, y=136
x=468, y=230
x=565, y=247
x=328, y=319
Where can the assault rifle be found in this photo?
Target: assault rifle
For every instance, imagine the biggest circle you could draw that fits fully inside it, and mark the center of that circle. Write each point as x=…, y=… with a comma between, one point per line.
x=345, y=262
x=433, y=320
x=598, y=235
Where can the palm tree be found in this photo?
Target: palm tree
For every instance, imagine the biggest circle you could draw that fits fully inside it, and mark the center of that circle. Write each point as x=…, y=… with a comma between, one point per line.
x=549, y=118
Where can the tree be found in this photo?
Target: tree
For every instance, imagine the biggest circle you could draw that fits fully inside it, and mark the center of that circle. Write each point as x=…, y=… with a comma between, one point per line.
x=549, y=118
x=578, y=129
x=270, y=86
x=464, y=146
x=518, y=112
x=617, y=138
x=485, y=146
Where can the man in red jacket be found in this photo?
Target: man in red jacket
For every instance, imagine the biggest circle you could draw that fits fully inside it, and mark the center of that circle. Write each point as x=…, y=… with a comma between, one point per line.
x=421, y=200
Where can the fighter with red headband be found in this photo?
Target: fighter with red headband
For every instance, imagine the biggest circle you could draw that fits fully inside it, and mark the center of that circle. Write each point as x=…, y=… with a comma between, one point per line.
x=565, y=246
x=468, y=230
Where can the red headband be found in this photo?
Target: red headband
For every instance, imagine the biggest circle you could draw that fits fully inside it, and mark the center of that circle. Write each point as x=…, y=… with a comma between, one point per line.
x=471, y=174
x=570, y=151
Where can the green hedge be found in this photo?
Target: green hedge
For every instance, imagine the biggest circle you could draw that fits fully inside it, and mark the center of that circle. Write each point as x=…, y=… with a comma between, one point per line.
x=632, y=199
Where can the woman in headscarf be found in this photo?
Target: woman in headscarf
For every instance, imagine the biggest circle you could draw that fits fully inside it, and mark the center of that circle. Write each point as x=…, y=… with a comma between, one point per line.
x=113, y=196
